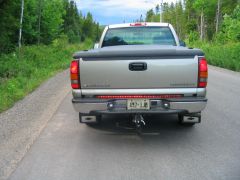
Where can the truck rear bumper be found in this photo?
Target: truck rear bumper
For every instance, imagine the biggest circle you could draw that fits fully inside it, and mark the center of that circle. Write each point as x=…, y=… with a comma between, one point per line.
x=158, y=106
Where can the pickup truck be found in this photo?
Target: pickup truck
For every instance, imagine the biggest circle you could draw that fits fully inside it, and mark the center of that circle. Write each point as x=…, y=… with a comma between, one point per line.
x=139, y=69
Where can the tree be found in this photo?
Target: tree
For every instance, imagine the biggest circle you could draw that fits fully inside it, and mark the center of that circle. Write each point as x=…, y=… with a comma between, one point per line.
x=200, y=5
x=52, y=20
x=150, y=15
x=231, y=25
x=9, y=24
x=30, y=22
x=21, y=21
x=72, y=22
x=180, y=19
x=39, y=20
x=42, y=22
x=218, y=15
x=88, y=26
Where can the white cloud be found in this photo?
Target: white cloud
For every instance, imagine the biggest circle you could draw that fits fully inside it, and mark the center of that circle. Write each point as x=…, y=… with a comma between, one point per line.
x=123, y=4
x=116, y=4
x=130, y=9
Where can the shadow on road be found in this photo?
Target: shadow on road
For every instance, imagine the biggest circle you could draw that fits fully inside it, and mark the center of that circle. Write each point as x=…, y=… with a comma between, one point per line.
x=155, y=125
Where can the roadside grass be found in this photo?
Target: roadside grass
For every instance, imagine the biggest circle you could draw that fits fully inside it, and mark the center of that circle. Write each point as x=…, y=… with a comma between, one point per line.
x=221, y=55
x=21, y=73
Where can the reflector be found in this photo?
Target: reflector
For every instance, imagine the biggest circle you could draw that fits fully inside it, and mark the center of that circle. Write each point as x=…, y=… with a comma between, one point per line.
x=202, y=84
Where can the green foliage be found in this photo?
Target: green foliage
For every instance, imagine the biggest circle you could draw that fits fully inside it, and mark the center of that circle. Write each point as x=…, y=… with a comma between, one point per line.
x=231, y=27
x=21, y=75
x=52, y=20
x=77, y=27
x=150, y=15
x=72, y=22
x=43, y=22
x=222, y=55
x=192, y=37
x=61, y=42
x=9, y=24
x=229, y=5
x=30, y=22
x=226, y=56
x=186, y=18
x=198, y=5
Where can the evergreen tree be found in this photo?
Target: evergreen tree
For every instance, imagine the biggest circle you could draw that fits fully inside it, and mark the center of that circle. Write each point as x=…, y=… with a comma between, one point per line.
x=203, y=18
x=44, y=21
x=9, y=24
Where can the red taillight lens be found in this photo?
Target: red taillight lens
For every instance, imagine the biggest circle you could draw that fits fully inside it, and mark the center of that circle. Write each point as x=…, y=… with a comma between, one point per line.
x=74, y=71
x=160, y=96
x=203, y=73
x=138, y=24
x=74, y=67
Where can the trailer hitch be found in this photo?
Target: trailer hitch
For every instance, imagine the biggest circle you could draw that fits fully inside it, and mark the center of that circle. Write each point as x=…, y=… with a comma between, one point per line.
x=139, y=122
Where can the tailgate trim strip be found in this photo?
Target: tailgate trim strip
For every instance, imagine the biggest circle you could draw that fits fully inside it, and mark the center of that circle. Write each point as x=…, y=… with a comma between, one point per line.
x=184, y=91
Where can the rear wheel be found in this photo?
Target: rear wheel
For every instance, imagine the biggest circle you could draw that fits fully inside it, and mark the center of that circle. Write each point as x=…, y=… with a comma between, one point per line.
x=89, y=119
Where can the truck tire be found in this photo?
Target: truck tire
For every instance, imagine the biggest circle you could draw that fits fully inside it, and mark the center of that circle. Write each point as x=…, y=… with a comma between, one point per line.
x=89, y=119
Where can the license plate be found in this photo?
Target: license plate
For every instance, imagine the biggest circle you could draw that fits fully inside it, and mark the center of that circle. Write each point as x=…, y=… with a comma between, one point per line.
x=136, y=104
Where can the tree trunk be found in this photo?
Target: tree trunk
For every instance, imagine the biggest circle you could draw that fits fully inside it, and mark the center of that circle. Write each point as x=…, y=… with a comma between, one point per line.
x=161, y=11
x=202, y=25
x=21, y=22
x=218, y=15
x=39, y=20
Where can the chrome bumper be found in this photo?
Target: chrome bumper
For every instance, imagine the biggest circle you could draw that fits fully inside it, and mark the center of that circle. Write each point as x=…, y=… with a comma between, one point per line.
x=188, y=105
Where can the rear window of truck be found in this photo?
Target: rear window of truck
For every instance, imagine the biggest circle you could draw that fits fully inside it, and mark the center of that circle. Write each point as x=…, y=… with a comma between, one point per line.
x=139, y=35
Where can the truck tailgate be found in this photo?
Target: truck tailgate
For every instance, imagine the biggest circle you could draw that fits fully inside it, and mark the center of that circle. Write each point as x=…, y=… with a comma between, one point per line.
x=160, y=73
x=139, y=68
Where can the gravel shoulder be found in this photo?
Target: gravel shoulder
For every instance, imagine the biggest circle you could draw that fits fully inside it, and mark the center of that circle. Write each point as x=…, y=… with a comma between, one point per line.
x=22, y=124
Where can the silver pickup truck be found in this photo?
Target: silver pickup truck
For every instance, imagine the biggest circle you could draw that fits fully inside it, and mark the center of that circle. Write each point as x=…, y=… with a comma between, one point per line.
x=138, y=69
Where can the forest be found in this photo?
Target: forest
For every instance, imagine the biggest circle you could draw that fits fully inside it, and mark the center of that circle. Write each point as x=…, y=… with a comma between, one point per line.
x=212, y=25
x=43, y=22
x=51, y=31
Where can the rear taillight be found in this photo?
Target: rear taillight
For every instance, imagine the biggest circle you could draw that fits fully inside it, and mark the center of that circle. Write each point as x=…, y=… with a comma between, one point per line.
x=202, y=73
x=74, y=72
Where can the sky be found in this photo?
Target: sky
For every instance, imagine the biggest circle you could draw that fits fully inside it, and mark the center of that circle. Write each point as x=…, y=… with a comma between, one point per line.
x=117, y=11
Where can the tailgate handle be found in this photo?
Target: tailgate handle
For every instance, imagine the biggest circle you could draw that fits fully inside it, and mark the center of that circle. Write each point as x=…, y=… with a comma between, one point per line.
x=138, y=66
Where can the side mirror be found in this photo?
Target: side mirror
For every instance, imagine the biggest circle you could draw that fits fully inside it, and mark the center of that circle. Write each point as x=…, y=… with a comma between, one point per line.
x=96, y=45
x=182, y=43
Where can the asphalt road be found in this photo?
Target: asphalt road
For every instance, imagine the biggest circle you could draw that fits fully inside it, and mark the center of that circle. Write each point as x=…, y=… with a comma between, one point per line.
x=211, y=150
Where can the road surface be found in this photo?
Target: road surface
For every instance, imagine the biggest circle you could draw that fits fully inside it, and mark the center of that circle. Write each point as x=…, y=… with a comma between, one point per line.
x=66, y=149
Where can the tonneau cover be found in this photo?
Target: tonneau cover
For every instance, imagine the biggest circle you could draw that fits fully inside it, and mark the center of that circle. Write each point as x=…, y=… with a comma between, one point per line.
x=138, y=51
